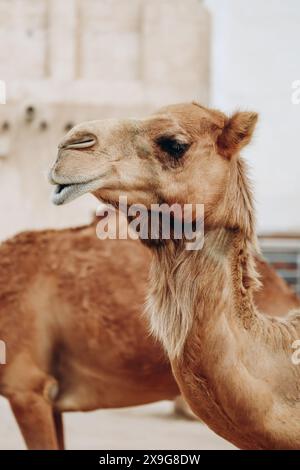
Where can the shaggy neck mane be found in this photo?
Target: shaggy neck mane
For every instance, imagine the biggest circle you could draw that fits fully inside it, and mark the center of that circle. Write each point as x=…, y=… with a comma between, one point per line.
x=181, y=280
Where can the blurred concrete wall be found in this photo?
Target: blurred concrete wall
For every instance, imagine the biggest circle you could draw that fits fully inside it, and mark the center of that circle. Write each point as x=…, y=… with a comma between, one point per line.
x=255, y=61
x=73, y=60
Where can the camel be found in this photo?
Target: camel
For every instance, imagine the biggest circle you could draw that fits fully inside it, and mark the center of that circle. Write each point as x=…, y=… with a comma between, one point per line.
x=76, y=340
x=232, y=364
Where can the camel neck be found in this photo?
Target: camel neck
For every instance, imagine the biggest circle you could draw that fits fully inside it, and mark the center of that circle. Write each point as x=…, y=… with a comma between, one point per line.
x=188, y=286
x=226, y=357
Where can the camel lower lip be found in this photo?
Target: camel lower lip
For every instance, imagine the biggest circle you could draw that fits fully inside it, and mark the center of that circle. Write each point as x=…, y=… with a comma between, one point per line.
x=64, y=193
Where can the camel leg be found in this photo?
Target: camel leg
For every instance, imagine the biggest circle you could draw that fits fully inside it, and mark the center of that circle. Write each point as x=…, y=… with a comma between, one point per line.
x=34, y=415
x=59, y=427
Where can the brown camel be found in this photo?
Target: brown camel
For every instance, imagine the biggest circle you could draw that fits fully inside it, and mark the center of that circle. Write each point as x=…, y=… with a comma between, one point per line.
x=74, y=335
x=233, y=365
x=73, y=330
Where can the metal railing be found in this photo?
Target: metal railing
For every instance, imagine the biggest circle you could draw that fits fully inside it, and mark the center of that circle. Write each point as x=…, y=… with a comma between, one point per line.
x=284, y=255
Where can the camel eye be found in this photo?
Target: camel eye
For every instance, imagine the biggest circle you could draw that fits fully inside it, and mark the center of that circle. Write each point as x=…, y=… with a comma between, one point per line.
x=173, y=147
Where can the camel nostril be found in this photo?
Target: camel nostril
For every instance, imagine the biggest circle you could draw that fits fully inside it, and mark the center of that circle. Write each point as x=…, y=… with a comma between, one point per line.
x=79, y=143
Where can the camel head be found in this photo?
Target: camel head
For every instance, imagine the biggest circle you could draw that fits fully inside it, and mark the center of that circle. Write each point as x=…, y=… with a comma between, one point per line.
x=182, y=154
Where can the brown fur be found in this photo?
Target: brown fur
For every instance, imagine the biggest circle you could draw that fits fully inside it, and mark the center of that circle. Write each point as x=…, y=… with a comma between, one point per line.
x=232, y=364
x=71, y=315
x=76, y=340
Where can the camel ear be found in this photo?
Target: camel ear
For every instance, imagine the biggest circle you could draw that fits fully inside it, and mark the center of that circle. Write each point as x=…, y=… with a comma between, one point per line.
x=236, y=133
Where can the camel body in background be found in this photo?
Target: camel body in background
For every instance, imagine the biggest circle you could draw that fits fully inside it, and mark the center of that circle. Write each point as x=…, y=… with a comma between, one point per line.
x=71, y=320
x=70, y=314
x=233, y=365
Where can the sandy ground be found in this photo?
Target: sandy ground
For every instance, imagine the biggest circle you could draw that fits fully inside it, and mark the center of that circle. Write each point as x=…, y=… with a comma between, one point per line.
x=145, y=427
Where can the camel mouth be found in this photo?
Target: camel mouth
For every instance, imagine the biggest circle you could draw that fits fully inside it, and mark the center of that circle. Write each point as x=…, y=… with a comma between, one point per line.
x=65, y=193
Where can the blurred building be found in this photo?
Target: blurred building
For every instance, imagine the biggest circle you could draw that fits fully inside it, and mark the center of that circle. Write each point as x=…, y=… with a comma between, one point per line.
x=74, y=60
